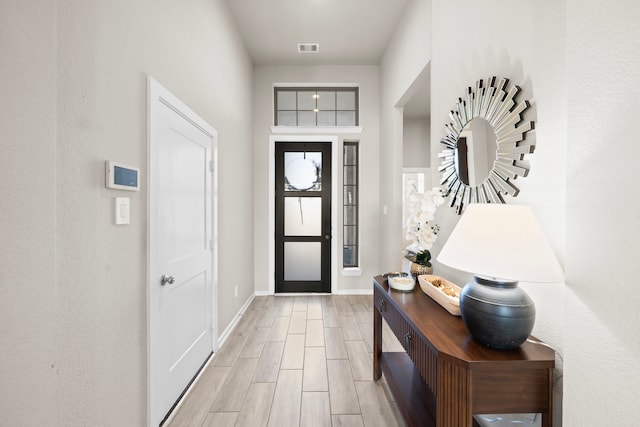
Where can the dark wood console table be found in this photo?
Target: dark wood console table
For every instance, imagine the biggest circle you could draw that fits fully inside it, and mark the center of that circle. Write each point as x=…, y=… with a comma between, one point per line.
x=445, y=376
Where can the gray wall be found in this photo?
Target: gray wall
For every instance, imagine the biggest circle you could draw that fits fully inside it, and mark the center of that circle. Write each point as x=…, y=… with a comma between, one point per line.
x=416, y=142
x=74, y=285
x=405, y=59
x=27, y=218
x=367, y=78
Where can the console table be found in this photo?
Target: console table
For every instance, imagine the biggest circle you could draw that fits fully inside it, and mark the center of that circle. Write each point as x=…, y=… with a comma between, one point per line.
x=445, y=376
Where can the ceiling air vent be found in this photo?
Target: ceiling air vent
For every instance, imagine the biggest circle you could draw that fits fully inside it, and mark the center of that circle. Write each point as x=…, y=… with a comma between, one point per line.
x=308, y=48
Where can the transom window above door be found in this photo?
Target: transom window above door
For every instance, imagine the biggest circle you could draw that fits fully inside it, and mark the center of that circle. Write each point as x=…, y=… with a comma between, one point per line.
x=316, y=106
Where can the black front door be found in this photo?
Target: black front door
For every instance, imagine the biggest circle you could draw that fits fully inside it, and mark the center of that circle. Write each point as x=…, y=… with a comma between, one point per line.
x=303, y=217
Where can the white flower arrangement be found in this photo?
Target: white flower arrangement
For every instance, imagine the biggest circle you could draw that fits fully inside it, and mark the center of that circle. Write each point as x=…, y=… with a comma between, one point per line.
x=421, y=208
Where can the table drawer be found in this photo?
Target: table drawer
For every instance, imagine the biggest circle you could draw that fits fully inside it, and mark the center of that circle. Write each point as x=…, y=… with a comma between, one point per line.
x=420, y=353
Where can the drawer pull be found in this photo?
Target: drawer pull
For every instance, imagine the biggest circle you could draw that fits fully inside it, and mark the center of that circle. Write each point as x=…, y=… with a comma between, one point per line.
x=407, y=340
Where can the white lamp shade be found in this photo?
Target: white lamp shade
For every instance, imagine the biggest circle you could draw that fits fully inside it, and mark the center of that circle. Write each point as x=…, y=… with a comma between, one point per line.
x=503, y=242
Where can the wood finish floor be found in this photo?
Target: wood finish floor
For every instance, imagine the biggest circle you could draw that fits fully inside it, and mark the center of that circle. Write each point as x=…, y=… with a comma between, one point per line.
x=295, y=361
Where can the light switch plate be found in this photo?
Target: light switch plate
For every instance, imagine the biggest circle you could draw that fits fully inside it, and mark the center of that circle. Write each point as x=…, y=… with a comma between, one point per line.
x=123, y=214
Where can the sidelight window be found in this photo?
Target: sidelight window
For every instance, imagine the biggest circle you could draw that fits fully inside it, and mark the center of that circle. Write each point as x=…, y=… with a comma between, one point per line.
x=350, y=205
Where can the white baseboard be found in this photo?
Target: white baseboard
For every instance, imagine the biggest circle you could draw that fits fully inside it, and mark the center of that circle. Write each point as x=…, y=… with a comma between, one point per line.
x=354, y=292
x=338, y=292
x=229, y=329
x=263, y=293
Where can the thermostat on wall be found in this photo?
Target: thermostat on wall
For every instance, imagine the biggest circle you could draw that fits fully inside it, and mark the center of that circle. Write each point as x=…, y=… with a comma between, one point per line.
x=122, y=177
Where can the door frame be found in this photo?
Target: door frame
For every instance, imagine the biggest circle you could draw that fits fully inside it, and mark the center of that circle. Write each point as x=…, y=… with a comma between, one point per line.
x=335, y=234
x=157, y=94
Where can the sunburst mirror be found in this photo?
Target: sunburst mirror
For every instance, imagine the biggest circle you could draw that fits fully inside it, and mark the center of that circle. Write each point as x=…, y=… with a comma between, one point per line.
x=485, y=145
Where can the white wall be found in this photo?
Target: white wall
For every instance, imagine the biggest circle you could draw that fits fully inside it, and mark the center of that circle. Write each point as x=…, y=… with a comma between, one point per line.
x=602, y=350
x=93, y=284
x=406, y=57
x=523, y=41
x=578, y=64
x=27, y=218
x=367, y=78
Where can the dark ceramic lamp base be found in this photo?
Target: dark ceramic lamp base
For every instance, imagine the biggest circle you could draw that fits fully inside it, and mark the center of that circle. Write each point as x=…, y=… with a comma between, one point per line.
x=497, y=313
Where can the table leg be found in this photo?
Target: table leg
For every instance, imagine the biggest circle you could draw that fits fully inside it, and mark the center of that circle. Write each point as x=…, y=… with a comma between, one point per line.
x=377, y=343
x=547, y=417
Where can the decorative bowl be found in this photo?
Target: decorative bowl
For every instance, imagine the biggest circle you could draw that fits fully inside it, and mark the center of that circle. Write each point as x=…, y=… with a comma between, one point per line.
x=400, y=281
x=395, y=274
x=442, y=291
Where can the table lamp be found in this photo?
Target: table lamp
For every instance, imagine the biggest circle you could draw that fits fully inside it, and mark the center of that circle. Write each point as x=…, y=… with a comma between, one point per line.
x=500, y=244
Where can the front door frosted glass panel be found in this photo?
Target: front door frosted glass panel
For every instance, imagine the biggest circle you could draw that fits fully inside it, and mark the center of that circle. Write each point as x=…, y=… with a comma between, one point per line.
x=303, y=171
x=302, y=261
x=302, y=216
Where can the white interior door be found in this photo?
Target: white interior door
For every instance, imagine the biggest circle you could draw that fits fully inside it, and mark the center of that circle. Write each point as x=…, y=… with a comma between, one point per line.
x=180, y=278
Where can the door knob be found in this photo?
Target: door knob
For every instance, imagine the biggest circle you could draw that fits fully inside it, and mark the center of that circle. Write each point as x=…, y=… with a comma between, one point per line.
x=167, y=279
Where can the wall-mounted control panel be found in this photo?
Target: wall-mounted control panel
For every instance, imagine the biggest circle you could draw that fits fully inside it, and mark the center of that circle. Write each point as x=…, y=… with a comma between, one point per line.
x=121, y=177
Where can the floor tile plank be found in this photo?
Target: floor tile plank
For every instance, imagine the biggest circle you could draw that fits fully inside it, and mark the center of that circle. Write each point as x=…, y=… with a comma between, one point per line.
x=279, y=329
x=361, y=361
x=389, y=340
x=298, y=322
x=293, y=356
x=330, y=317
x=366, y=331
x=285, y=410
x=376, y=411
x=315, y=333
x=248, y=321
x=229, y=352
x=269, y=362
x=347, y=421
x=316, y=410
x=254, y=343
x=300, y=303
x=314, y=308
x=284, y=305
x=204, y=392
x=235, y=387
x=217, y=419
x=362, y=313
x=334, y=344
x=342, y=390
x=328, y=301
x=314, y=376
x=257, y=405
x=343, y=305
x=350, y=328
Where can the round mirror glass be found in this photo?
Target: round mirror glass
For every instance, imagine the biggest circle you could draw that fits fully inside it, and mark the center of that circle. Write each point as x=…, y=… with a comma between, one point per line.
x=475, y=152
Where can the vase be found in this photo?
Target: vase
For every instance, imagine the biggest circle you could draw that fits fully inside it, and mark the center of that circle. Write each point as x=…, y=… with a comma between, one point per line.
x=419, y=270
x=497, y=313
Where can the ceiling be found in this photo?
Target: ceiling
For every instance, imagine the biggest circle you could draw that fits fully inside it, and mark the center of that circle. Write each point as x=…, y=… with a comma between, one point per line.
x=350, y=32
